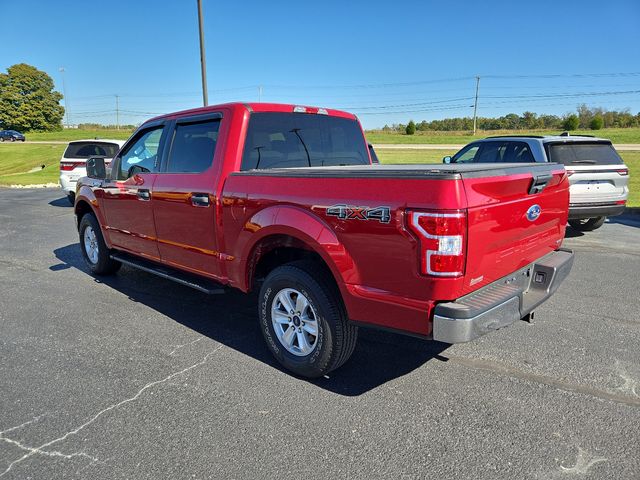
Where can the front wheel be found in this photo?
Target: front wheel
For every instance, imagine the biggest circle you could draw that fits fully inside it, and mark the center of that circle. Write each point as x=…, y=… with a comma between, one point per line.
x=587, y=224
x=94, y=251
x=304, y=321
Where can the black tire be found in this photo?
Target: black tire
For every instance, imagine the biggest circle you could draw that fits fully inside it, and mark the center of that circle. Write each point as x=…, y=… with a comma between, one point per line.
x=587, y=224
x=103, y=264
x=1, y=139
x=336, y=337
x=13, y=139
x=72, y=198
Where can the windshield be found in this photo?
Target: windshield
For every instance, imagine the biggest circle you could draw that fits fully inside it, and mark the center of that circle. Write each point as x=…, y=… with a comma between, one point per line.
x=584, y=154
x=91, y=149
x=287, y=140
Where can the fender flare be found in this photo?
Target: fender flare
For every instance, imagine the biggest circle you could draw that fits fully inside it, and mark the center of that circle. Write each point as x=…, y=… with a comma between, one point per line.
x=86, y=196
x=302, y=225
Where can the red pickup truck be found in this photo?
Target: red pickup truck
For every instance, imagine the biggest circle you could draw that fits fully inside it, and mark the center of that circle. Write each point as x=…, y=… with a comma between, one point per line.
x=284, y=200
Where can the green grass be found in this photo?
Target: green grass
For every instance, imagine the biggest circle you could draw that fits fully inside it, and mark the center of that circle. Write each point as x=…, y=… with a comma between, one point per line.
x=19, y=158
x=50, y=174
x=67, y=135
x=631, y=159
x=616, y=135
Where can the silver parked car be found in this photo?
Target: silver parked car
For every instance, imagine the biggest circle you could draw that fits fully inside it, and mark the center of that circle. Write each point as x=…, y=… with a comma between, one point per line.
x=598, y=177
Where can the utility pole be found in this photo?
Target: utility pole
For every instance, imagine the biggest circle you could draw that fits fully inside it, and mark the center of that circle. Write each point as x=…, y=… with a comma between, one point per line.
x=475, y=105
x=64, y=93
x=117, y=112
x=203, y=61
x=260, y=94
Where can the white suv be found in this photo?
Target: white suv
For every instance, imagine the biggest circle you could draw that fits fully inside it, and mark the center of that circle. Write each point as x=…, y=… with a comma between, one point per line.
x=598, y=178
x=74, y=159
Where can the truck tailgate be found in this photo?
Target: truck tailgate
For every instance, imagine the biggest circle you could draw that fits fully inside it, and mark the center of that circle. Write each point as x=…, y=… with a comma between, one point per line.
x=511, y=222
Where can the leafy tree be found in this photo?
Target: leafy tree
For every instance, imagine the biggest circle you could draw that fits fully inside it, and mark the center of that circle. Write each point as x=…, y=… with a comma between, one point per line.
x=28, y=101
x=411, y=128
x=596, y=123
x=571, y=122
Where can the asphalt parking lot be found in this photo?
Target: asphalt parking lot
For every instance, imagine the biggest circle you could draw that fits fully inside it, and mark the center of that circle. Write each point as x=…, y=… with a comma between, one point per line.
x=136, y=377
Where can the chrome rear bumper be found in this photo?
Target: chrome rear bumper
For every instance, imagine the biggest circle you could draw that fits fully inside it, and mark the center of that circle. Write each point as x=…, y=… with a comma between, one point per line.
x=502, y=302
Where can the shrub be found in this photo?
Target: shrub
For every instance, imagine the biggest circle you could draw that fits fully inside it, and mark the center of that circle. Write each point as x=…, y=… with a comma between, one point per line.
x=411, y=128
x=596, y=123
x=571, y=122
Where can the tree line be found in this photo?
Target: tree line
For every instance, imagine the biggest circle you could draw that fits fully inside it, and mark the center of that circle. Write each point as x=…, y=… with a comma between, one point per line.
x=585, y=117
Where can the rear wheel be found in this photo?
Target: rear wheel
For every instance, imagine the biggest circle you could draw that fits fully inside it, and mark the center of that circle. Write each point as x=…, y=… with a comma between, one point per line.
x=94, y=251
x=304, y=321
x=12, y=139
x=587, y=224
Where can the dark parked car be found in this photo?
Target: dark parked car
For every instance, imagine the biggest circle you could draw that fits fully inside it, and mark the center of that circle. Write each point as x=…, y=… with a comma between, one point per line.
x=11, y=136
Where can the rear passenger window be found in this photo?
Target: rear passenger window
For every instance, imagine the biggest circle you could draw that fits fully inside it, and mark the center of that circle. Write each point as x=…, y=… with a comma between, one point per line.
x=193, y=146
x=491, y=152
x=518, y=152
x=286, y=140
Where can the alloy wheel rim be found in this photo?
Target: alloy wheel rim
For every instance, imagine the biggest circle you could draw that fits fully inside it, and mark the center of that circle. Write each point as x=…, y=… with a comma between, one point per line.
x=91, y=245
x=295, y=322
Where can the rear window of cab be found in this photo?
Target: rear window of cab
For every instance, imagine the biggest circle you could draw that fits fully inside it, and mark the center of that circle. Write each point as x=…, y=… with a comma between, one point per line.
x=287, y=140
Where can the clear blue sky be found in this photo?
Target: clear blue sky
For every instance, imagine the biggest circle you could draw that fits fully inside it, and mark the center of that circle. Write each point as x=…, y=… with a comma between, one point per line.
x=387, y=61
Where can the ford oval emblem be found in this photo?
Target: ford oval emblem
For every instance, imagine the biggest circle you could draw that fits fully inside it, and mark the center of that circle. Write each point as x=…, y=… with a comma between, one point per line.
x=533, y=213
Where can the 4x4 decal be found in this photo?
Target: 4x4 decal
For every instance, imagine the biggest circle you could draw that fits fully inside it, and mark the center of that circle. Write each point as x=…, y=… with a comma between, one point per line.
x=350, y=212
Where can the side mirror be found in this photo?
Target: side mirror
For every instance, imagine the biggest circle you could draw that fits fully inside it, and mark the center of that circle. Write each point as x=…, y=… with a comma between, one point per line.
x=447, y=159
x=96, y=168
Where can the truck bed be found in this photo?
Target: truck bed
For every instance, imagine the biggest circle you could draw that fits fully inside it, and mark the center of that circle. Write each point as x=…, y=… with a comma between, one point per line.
x=379, y=262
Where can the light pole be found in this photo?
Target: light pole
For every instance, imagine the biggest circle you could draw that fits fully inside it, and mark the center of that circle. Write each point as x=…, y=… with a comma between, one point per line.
x=203, y=61
x=64, y=93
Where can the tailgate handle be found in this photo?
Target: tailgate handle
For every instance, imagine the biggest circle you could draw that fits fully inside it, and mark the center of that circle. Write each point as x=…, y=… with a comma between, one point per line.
x=539, y=183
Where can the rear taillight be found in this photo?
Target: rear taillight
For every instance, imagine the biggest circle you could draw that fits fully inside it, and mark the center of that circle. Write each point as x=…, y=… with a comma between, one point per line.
x=68, y=166
x=621, y=202
x=623, y=171
x=442, y=241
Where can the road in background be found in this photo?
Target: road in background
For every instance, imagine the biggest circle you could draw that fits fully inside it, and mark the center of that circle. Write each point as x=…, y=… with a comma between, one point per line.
x=136, y=377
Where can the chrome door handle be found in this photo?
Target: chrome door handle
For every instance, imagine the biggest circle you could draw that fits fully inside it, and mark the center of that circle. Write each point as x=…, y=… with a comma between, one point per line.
x=143, y=194
x=200, y=199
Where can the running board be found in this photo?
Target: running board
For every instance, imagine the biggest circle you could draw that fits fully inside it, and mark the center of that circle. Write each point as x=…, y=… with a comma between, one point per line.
x=199, y=283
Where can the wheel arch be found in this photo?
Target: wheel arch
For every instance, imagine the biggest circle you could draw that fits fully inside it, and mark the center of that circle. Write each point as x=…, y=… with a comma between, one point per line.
x=86, y=202
x=284, y=234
